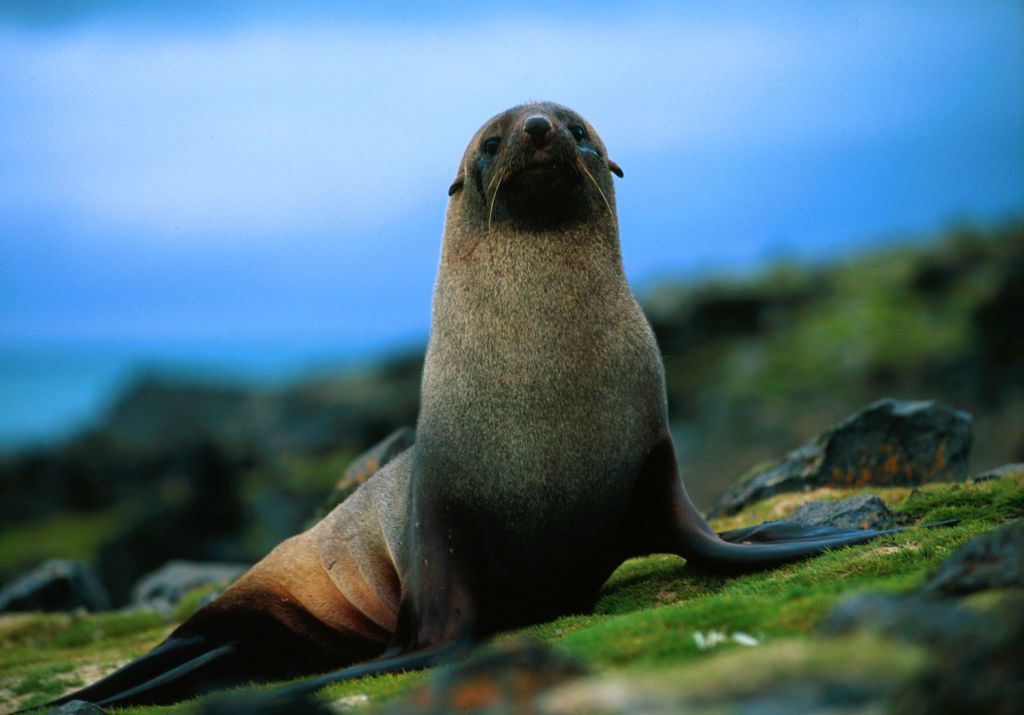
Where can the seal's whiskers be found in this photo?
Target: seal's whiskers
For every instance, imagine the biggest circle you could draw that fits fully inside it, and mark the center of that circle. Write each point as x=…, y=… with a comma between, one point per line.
x=490, y=211
x=607, y=203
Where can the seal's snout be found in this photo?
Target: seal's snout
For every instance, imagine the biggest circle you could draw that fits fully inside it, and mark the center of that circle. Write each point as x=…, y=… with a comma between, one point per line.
x=539, y=131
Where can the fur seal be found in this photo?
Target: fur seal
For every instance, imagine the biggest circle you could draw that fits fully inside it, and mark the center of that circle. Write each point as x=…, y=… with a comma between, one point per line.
x=542, y=458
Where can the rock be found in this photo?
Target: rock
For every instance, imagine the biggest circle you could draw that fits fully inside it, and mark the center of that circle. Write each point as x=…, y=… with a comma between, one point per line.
x=1006, y=470
x=506, y=680
x=366, y=465
x=888, y=443
x=617, y=696
x=370, y=462
x=913, y=618
x=979, y=672
x=610, y=695
x=55, y=586
x=76, y=707
x=864, y=511
x=789, y=677
x=349, y=703
x=164, y=587
x=994, y=560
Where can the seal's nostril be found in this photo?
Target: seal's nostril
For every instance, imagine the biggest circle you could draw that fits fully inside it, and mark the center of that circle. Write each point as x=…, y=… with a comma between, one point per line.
x=539, y=129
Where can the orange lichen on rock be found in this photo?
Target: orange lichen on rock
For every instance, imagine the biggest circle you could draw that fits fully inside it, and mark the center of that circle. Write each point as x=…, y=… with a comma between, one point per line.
x=939, y=461
x=475, y=695
x=865, y=477
x=891, y=465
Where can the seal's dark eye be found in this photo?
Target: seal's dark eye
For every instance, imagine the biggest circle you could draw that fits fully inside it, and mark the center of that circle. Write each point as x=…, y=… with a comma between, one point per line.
x=491, y=145
x=578, y=132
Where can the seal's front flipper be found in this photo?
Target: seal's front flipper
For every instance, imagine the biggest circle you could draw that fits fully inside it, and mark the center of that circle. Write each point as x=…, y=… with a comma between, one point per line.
x=181, y=667
x=399, y=663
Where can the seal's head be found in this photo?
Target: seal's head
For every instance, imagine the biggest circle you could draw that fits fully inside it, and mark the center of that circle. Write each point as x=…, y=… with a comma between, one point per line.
x=534, y=167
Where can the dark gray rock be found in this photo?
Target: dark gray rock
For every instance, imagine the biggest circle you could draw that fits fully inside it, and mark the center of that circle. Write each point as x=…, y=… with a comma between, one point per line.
x=55, y=586
x=166, y=586
x=980, y=672
x=993, y=560
x=913, y=618
x=864, y=511
x=1006, y=470
x=76, y=707
x=888, y=443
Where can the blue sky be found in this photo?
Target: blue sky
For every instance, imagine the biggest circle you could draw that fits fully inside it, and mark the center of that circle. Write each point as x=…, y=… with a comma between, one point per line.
x=174, y=177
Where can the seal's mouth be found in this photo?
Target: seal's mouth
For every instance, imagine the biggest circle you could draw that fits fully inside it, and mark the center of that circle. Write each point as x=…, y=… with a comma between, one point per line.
x=549, y=167
x=543, y=193
x=546, y=178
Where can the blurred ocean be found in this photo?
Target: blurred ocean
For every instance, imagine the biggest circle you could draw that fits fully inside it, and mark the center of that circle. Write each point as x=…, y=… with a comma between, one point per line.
x=50, y=391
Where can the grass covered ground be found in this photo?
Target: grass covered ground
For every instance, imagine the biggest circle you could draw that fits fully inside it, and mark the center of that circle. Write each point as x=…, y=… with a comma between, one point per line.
x=646, y=623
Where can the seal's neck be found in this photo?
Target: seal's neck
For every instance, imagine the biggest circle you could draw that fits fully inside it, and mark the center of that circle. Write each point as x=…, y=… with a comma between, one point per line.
x=516, y=271
x=518, y=293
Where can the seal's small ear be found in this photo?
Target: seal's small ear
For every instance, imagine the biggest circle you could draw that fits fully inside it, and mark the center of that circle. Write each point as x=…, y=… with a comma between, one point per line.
x=616, y=169
x=456, y=186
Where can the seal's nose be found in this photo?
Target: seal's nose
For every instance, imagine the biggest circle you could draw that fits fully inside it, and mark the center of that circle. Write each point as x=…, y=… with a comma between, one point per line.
x=539, y=129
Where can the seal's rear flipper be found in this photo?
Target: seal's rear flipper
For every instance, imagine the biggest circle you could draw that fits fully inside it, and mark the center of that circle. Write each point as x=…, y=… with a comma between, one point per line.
x=771, y=544
x=793, y=532
x=181, y=667
x=779, y=532
x=774, y=532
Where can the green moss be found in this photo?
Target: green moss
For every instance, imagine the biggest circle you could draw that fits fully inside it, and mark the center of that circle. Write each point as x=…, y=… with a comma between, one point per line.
x=77, y=629
x=44, y=655
x=377, y=689
x=46, y=679
x=993, y=501
x=96, y=629
x=638, y=583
